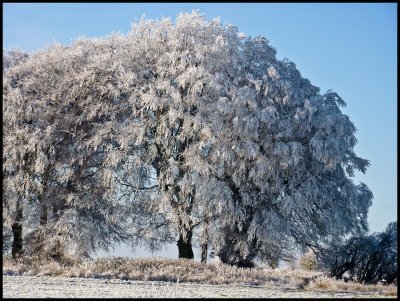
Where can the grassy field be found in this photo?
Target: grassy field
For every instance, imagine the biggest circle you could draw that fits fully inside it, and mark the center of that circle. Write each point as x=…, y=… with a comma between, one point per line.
x=189, y=272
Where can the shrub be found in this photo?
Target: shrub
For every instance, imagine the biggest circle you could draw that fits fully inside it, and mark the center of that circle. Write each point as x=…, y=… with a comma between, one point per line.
x=367, y=259
x=309, y=261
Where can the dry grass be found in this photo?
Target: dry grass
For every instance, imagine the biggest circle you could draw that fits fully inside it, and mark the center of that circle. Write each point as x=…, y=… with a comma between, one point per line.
x=325, y=283
x=309, y=261
x=182, y=270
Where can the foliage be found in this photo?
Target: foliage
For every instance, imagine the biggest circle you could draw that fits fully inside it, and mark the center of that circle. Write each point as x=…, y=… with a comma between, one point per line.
x=365, y=258
x=56, y=181
x=173, y=131
x=13, y=57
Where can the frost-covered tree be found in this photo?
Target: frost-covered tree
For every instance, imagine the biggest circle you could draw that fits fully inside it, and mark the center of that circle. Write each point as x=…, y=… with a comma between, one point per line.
x=178, y=131
x=366, y=258
x=49, y=176
x=12, y=228
x=275, y=156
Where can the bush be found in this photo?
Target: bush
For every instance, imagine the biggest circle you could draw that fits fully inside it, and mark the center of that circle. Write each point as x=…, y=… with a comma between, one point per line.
x=309, y=261
x=367, y=259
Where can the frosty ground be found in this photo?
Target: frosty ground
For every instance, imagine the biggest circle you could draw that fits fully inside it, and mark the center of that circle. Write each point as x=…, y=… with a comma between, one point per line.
x=64, y=287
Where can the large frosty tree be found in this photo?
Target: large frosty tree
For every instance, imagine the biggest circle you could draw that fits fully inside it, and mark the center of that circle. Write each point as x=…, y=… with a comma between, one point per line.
x=52, y=187
x=176, y=131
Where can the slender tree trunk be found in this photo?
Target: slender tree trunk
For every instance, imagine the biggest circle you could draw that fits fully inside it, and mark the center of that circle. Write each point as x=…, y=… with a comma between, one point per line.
x=40, y=237
x=57, y=253
x=185, y=245
x=57, y=246
x=17, y=233
x=204, y=252
x=43, y=215
x=204, y=239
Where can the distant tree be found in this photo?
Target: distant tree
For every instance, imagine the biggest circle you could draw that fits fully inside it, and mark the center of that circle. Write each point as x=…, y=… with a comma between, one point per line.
x=365, y=258
x=180, y=130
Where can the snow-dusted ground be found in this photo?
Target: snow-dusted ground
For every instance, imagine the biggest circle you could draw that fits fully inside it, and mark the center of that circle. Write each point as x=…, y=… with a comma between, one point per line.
x=62, y=287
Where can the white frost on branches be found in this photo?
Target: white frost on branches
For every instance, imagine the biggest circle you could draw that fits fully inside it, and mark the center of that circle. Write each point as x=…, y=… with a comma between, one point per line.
x=173, y=129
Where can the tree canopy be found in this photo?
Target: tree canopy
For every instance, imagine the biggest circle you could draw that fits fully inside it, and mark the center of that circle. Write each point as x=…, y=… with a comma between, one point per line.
x=174, y=131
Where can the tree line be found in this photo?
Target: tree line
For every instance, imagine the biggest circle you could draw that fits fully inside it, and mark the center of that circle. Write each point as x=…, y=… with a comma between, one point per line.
x=175, y=132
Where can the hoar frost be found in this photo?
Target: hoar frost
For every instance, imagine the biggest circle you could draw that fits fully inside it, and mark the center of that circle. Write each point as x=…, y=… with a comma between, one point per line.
x=175, y=132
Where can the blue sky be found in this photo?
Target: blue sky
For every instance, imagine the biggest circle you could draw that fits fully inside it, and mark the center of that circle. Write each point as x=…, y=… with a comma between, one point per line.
x=348, y=47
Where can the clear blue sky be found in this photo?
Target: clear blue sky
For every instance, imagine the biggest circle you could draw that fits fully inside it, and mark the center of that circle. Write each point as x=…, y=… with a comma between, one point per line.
x=350, y=48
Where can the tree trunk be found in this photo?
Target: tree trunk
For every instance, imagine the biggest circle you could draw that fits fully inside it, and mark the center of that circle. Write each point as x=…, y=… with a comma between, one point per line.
x=185, y=245
x=204, y=245
x=204, y=252
x=57, y=252
x=40, y=236
x=233, y=236
x=17, y=233
x=43, y=215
